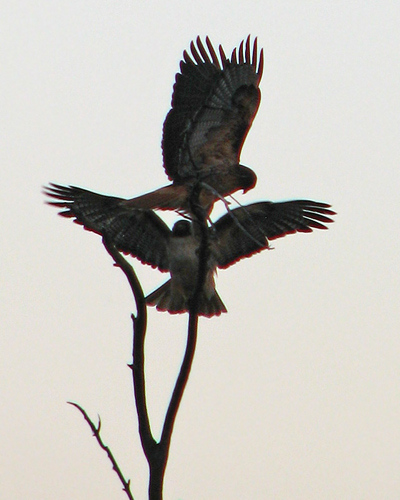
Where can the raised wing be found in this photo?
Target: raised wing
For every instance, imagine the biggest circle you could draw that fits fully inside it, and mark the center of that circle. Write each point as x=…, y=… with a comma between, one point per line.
x=214, y=102
x=246, y=230
x=140, y=233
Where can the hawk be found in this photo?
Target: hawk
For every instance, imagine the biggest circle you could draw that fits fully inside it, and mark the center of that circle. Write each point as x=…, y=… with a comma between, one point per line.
x=141, y=233
x=214, y=102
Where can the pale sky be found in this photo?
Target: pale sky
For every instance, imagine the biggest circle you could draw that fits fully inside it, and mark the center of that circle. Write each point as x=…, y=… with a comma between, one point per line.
x=295, y=393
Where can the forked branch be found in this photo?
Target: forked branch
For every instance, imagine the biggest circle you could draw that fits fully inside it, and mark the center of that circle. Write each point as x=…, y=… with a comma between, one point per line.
x=156, y=453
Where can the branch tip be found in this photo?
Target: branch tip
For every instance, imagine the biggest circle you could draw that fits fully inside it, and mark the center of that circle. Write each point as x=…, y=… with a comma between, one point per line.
x=96, y=434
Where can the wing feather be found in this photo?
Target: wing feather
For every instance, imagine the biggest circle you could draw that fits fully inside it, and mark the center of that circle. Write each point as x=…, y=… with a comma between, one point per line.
x=246, y=230
x=213, y=54
x=214, y=103
x=203, y=51
x=224, y=59
x=140, y=233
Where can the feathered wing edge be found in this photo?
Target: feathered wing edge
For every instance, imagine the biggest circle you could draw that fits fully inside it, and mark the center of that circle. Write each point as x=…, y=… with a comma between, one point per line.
x=137, y=232
x=246, y=230
x=140, y=233
x=205, y=89
x=238, y=234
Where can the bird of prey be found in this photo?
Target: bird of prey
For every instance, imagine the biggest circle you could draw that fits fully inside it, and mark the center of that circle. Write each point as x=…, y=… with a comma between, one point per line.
x=141, y=233
x=214, y=102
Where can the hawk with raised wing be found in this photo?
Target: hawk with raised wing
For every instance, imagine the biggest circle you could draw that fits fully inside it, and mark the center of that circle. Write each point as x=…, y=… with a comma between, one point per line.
x=214, y=102
x=142, y=233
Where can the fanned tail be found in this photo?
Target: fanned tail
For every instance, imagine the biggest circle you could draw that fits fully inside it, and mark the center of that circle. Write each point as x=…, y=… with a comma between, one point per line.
x=165, y=300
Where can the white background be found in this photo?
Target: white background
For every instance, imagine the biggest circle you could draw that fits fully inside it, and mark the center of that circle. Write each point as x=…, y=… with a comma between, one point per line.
x=294, y=393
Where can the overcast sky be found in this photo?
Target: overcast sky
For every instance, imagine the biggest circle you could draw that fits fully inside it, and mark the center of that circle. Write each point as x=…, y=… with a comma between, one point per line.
x=294, y=394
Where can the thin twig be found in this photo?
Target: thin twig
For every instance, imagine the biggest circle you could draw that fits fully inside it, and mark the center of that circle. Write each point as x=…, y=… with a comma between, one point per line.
x=96, y=434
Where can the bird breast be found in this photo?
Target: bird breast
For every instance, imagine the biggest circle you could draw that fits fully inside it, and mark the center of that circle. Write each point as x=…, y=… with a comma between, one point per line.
x=184, y=266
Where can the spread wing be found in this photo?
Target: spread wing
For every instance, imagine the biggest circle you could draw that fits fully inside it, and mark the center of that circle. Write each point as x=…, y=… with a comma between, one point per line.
x=214, y=102
x=246, y=230
x=140, y=233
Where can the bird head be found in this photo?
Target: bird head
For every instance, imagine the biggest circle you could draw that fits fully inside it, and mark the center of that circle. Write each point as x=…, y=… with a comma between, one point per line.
x=248, y=178
x=182, y=228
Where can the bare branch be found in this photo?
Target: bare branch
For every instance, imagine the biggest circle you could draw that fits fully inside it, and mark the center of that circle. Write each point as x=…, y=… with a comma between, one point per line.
x=157, y=453
x=139, y=332
x=96, y=434
x=192, y=333
x=180, y=382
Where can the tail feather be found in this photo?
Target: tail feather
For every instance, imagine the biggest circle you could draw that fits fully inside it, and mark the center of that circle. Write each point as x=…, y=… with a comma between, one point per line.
x=164, y=300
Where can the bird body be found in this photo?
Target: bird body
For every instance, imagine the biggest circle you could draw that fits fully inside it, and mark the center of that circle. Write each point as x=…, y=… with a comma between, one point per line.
x=214, y=102
x=141, y=233
x=183, y=256
x=214, y=185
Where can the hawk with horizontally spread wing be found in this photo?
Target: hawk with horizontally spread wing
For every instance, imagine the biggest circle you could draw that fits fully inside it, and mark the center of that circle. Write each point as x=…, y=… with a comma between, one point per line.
x=141, y=233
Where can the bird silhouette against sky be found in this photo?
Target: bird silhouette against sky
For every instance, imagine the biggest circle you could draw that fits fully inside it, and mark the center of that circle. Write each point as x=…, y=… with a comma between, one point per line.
x=141, y=233
x=214, y=102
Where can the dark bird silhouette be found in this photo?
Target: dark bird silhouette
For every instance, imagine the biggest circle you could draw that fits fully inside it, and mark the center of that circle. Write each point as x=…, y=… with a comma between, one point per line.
x=214, y=102
x=141, y=233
